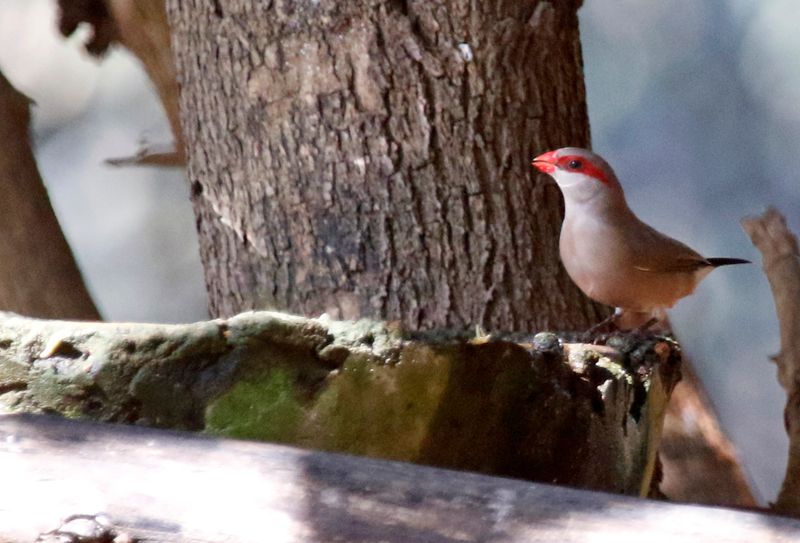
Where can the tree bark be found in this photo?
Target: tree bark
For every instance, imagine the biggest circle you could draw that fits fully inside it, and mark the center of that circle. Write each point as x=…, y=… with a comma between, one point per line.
x=371, y=158
x=38, y=274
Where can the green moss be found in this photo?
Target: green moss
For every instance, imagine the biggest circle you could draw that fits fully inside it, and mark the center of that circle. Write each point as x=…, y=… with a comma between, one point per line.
x=263, y=408
x=379, y=410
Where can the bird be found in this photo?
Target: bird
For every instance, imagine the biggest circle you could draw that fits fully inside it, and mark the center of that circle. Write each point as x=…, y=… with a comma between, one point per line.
x=610, y=254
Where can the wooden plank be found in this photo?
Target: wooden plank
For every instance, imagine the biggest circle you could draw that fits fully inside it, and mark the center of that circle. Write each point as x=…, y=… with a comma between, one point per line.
x=168, y=486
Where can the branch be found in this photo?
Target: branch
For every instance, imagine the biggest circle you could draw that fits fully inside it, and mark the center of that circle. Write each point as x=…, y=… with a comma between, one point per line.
x=153, y=485
x=38, y=274
x=140, y=26
x=781, y=263
x=700, y=464
x=151, y=155
x=586, y=416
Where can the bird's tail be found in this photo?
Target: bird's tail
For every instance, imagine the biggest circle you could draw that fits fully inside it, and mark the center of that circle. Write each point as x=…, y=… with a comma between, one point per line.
x=716, y=262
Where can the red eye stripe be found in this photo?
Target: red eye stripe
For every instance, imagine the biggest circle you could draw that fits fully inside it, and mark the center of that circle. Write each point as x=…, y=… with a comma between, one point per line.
x=586, y=167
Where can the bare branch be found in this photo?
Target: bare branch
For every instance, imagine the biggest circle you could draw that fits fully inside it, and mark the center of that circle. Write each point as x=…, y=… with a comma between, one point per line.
x=700, y=464
x=150, y=156
x=140, y=26
x=38, y=274
x=781, y=262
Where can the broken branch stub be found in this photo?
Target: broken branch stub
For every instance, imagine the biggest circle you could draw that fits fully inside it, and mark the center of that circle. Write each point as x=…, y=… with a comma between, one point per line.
x=574, y=414
x=781, y=263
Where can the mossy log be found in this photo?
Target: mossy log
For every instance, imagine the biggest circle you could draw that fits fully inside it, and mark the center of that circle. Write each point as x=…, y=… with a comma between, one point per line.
x=539, y=408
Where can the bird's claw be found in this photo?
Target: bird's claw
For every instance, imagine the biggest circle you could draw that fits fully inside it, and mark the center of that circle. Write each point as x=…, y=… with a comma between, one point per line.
x=640, y=330
x=608, y=323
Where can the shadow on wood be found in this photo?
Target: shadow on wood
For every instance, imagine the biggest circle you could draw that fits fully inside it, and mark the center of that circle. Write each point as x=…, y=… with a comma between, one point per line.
x=168, y=486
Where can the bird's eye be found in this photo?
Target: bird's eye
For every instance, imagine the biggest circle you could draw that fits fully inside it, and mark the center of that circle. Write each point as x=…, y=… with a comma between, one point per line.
x=575, y=164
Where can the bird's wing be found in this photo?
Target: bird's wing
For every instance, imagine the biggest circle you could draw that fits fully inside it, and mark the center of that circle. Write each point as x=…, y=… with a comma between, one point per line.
x=658, y=253
x=675, y=266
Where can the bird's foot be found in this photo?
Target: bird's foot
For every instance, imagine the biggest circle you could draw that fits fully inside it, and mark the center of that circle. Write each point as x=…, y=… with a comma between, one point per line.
x=616, y=323
x=608, y=324
x=654, y=328
x=645, y=328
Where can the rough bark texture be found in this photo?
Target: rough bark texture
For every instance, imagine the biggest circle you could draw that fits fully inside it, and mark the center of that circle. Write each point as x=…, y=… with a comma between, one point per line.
x=781, y=262
x=171, y=487
x=38, y=274
x=587, y=416
x=371, y=157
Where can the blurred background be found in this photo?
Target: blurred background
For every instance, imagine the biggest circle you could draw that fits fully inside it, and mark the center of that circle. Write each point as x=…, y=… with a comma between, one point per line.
x=696, y=103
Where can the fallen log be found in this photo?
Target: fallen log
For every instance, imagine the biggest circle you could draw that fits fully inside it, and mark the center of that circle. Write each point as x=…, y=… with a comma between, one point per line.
x=156, y=485
x=537, y=408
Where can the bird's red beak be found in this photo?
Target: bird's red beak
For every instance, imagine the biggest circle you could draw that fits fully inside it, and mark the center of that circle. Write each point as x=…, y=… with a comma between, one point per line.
x=546, y=162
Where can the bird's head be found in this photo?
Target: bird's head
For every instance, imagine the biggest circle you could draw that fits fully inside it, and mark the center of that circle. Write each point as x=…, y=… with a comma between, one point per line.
x=581, y=174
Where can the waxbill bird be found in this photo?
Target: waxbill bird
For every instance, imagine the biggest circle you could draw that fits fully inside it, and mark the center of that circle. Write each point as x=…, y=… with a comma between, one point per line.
x=612, y=256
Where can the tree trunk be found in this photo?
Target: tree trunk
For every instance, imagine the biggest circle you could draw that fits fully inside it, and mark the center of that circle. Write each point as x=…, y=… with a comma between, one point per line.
x=38, y=274
x=371, y=157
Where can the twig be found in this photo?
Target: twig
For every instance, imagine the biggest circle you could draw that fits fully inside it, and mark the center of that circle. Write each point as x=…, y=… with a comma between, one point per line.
x=151, y=156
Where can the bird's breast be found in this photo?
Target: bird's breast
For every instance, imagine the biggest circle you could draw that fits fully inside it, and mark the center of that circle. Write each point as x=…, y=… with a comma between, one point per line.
x=600, y=260
x=591, y=255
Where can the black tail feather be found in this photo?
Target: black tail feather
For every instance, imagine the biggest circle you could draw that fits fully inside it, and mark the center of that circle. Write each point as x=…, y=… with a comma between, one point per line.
x=726, y=261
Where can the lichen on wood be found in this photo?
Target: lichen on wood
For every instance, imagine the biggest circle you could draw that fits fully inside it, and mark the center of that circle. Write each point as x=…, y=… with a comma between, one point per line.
x=539, y=408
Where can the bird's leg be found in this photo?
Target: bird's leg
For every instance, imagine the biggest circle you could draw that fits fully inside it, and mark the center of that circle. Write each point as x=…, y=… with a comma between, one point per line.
x=657, y=315
x=646, y=326
x=587, y=335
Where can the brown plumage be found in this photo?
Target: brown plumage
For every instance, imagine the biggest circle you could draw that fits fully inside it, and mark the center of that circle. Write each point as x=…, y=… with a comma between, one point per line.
x=614, y=257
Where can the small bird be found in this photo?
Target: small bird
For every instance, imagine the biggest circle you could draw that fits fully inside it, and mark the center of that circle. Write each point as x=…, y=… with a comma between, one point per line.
x=612, y=256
